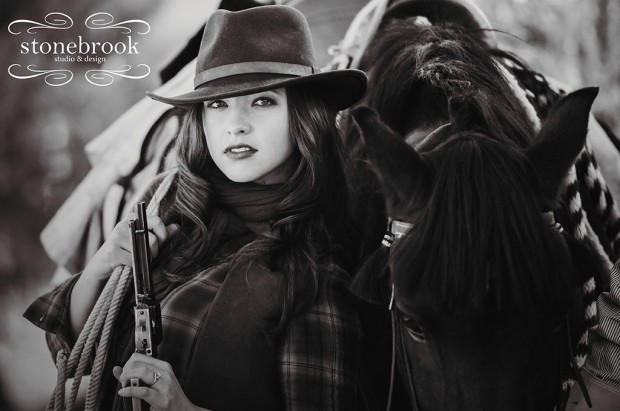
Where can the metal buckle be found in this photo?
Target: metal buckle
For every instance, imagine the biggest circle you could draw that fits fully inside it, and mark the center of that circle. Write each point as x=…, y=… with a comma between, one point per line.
x=399, y=228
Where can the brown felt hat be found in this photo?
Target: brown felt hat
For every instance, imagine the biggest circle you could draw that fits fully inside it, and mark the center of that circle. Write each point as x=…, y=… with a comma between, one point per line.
x=260, y=49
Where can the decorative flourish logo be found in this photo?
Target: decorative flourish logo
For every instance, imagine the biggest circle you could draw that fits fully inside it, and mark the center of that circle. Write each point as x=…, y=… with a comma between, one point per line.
x=78, y=50
x=54, y=21
x=106, y=77
x=102, y=20
x=52, y=77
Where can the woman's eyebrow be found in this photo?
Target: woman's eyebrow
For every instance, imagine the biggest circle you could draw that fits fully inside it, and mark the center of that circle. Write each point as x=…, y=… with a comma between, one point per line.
x=278, y=91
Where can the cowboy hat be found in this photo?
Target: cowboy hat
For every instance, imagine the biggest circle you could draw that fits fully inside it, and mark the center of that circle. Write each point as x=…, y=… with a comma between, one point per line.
x=263, y=48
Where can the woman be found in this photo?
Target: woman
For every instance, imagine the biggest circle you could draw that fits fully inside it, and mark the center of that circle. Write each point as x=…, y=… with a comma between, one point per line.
x=251, y=245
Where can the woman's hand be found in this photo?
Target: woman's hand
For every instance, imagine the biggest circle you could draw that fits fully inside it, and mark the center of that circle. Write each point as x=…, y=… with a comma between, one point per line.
x=162, y=388
x=116, y=250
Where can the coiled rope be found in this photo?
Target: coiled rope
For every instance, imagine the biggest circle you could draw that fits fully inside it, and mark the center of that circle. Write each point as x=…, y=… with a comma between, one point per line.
x=95, y=334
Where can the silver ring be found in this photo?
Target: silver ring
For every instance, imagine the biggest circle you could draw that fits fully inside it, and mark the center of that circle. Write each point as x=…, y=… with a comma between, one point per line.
x=156, y=376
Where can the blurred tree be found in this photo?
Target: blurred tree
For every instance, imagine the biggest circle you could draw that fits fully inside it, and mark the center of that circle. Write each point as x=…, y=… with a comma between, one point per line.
x=43, y=131
x=572, y=41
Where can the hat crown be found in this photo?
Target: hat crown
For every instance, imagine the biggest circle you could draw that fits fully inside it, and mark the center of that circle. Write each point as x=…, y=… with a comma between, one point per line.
x=261, y=34
x=264, y=48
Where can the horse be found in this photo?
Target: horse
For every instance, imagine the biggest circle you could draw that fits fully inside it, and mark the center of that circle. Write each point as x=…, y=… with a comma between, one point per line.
x=483, y=279
x=489, y=294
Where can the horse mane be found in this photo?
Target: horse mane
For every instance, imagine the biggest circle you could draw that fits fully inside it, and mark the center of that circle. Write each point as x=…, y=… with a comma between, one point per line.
x=481, y=244
x=445, y=62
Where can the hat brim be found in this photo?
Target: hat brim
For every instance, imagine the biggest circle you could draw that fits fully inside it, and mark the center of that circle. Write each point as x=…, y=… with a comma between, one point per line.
x=339, y=88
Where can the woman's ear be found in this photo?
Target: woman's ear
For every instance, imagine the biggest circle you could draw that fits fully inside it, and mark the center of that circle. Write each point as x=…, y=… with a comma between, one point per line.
x=561, y=138
x=402, y=173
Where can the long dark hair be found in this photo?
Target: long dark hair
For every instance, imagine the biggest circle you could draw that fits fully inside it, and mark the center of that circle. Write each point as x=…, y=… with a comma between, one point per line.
x=311, y=220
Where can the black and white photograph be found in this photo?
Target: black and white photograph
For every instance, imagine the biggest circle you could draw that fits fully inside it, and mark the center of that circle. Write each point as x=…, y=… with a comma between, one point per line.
x=365, y=205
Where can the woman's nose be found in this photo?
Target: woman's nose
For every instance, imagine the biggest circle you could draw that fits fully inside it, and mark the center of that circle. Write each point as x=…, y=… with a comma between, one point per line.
x=237, y=122
x=236, y=128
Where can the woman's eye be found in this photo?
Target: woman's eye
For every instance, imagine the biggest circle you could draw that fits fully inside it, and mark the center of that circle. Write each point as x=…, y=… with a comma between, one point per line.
x=414, y=329
x=264, y=102
x=216, y=104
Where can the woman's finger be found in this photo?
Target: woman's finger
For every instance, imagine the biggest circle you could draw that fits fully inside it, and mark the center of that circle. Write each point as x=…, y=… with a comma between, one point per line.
x=164, y=232
x=146, y=368
x=153, y=397
x=119, y=256
x=153, y=244
x=144, y=393
x=117, y=371
x=155, y=390
x=146, y=374
x=157, y=226
x=127, y=218
x=143, y=360
x=172, y=229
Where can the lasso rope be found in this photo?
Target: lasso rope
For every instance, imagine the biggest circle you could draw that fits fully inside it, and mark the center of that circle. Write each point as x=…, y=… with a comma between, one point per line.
x=97, y=329
x=97, y=370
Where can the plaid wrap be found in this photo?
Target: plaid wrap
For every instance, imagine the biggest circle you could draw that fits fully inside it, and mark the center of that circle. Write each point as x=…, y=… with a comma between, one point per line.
x=319, y=353
x=50, y=312
x=315, y=356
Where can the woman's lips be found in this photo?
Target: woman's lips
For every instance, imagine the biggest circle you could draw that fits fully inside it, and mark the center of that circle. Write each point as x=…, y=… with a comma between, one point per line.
x=239, y=151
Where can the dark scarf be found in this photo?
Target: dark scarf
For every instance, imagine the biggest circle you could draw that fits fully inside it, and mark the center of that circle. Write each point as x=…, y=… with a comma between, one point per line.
x=235, y=367
x=251, y=202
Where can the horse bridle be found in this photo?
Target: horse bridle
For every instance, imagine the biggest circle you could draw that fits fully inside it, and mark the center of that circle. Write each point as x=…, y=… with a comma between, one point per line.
x=397, y=229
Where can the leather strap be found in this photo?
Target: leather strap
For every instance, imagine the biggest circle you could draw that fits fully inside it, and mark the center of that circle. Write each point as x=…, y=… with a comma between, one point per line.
x=253, y=67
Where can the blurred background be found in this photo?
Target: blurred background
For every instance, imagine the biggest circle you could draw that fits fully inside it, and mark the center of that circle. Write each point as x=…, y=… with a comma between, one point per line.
x=43, y=129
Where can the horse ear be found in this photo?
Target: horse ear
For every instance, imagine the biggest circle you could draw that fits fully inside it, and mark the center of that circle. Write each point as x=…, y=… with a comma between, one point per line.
x=399, y=168
x=562, y=137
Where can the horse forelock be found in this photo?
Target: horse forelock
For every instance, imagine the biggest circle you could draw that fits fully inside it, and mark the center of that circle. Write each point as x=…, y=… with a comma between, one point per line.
x=415, y=70
x=481, y=244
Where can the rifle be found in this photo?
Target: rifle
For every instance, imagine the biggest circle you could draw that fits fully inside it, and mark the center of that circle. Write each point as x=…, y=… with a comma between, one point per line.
x=147, y=312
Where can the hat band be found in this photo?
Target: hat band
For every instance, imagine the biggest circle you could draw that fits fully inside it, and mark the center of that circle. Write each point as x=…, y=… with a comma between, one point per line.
x=253, y=67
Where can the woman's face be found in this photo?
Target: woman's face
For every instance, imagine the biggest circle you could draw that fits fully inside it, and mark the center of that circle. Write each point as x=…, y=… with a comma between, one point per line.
x=248, y=136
